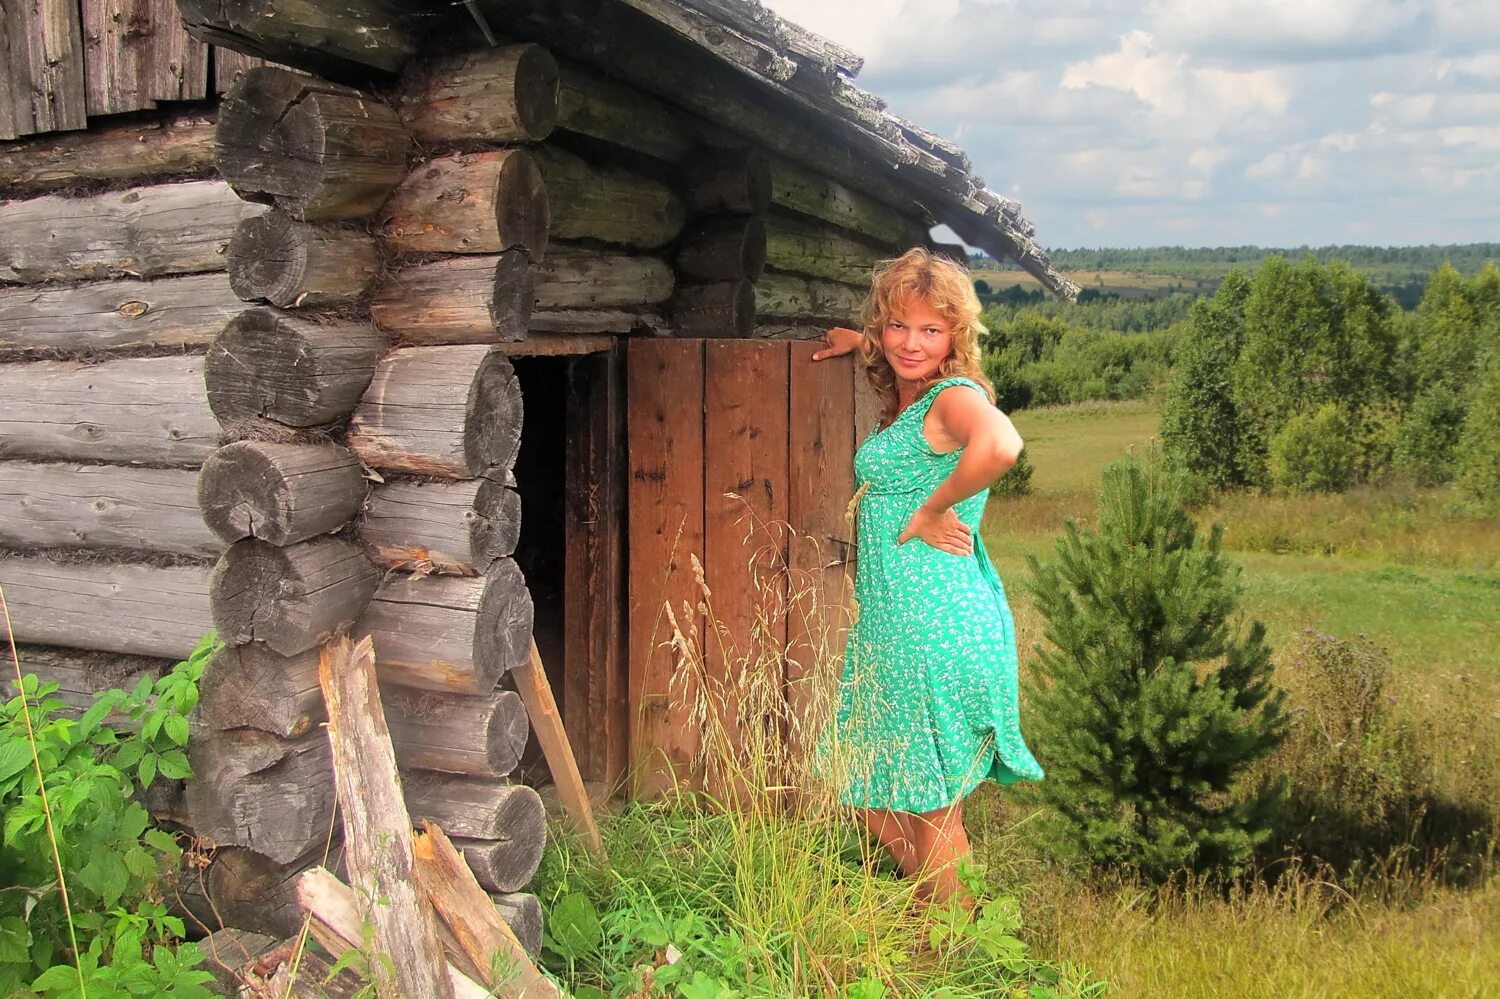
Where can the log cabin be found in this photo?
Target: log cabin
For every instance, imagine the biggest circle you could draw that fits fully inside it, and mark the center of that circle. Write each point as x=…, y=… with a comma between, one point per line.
x=461, y=325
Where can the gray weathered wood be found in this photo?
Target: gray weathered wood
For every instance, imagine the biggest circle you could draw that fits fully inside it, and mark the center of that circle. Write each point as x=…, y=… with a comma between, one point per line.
x=799, y=245
x=593, y=105
x=174, y=146
x=273, y=365
x=719, y=309
x=143, y=232
x=279, y=493
x=458, y=300
x=522, y=912
x=291, y=598
x=80, y=674
x=333, y=37
x=301, y=264
x=457, y=527
x=41, y=76
x=575, y=277
x=148, y=409
x=473, y=807
x=249, y=686
x=254, y=790
x=737, y=181
x=481, y=202
x=724, y=248
x=318, y=151
x=136, y=609
x=508, y=864
x=251, y=890
x=594, y=201
x=377, y=830
x=503, y=94
x=451, y=634
x=481, y=736
x=137, y=54
x=448, y=411
x=168, y=312
x=65, y=505
x=791, y=296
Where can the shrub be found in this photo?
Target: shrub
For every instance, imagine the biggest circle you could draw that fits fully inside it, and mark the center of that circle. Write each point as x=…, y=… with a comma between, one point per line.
x=1151, y=709
x=1428, y=435
x=1315, y=452
x=1478, y=451
x=1017, y=481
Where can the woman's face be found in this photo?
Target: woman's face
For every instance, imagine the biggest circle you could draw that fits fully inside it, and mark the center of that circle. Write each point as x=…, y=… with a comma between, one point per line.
x=916, y=341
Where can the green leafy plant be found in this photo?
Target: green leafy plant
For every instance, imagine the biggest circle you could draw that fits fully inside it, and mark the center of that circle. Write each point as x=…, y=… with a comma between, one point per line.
x=81, y=913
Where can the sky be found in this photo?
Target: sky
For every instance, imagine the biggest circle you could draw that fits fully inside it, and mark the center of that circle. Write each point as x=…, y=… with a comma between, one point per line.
x=1202, y=122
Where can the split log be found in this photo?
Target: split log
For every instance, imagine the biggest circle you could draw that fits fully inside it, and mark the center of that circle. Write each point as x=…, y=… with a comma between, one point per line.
x=469, y=203
x=576, y=277
x=593, y=105
x=522, y=912
x=737, y=181
x=456, y=527
x=377, y=831
x=474, y=807
x=644, y=321
x=446, y=411
x=342, y=38
x=503, y=94
x=299, y=264
x=143, y=232
x=481, y=736
x=270, y=795
x=509, y=864
x=147, y=409
x=102, y=506
x=729, y=248
x=137, y=609
x=270, y=365
x=291, y=598
x=801, y=246
x=802, y=190
x=478, y=927
x=458, y=300
x=318, y=151
x=593, y=201
x=169, y=312
x=179, y=146
x=720, y=309
x=451, y=634
x=789, y=296
x=249, y=686
x=81, y=675
x=279, y=493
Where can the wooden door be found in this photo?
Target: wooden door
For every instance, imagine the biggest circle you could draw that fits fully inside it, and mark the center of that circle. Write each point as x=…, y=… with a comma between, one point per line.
x=740, y=473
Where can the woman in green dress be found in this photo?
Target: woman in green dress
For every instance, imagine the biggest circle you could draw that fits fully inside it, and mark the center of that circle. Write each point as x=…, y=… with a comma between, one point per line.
x=927, y=701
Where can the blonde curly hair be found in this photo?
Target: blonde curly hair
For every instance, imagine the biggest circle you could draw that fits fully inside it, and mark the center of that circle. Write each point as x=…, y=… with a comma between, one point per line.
x=946, y=287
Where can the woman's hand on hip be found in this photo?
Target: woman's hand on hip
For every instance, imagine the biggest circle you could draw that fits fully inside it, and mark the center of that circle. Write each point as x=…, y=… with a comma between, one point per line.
x=943, y=531
x=840, y=340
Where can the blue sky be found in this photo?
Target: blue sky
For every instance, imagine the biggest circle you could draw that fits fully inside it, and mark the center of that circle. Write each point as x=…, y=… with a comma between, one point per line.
x=1203, y=122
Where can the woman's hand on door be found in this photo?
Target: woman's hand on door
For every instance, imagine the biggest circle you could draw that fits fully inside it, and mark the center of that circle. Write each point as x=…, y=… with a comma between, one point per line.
x=840, y=340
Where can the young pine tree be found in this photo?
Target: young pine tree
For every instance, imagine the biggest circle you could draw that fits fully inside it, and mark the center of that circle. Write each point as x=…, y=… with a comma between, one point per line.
x=1155, y=707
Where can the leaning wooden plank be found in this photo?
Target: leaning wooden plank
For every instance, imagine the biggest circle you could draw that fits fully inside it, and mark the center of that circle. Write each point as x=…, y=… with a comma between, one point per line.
x=502, y=94
x=318, y=151
x=457, y=527
x=338, y=923
x=448, y=411
x=450, y=634
x=138, y=609
x=266, y=794
x=481, y=202
x=107, y=315
x=297, y=265
x=143, y=232
x=531, y=683
x=449, y=886
x=332, y=37
x=65, y=505
x=279, y=493
x=480, y=736
x=467, y=299
x=146, y=409
x=250, y=686
x=177, y=146
x=291, y=598
x=41, y=78
x=377, y=831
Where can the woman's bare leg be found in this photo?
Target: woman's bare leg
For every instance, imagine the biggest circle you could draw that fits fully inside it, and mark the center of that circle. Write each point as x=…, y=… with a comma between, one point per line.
x=894, y=830
x=940, y=843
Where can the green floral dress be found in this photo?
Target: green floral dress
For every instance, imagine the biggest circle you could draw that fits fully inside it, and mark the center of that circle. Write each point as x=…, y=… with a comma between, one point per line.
x=927, y=702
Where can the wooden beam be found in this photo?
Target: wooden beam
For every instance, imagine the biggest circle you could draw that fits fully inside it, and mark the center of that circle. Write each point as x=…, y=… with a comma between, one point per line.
x=108, y=315
x=279, y=493
x=297, y=265
x=458, y=526
x=41, y=76
x=531, y=683
x=291, y=598
x=171, y=146
x=341, y=39
x=138, y=54
x=507, y=93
